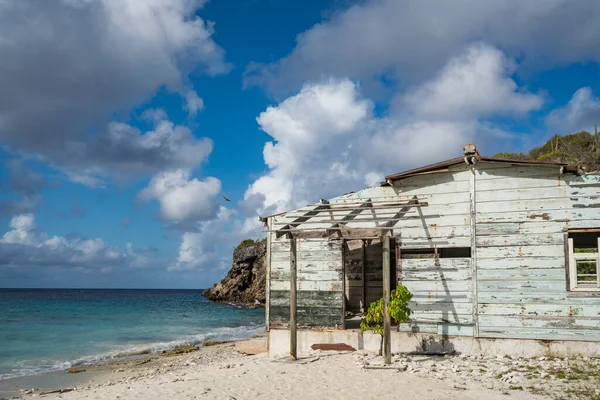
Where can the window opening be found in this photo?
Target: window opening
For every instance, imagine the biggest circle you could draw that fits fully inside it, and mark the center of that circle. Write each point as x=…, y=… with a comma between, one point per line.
x=446, y=252
x=584, y=261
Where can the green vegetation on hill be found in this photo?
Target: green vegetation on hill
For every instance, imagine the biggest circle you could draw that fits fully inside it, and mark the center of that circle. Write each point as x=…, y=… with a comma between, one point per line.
x=581, y=149
x=250, y=242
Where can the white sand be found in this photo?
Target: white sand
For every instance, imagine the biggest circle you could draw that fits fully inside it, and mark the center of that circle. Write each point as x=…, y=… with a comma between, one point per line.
x=220, y=373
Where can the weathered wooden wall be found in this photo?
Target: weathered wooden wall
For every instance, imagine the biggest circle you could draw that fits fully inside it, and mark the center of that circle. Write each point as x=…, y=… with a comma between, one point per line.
x=522, y=216
x=319, y=276
x=441, y=287
x=442, y=291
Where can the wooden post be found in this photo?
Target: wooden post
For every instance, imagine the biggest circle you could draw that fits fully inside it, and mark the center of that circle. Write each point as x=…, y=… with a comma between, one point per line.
x=293, y=300
x=344, y=244
x=268, y=279
x=473, y=215
x=363, y=261
x=387, y=331
x=398, y=271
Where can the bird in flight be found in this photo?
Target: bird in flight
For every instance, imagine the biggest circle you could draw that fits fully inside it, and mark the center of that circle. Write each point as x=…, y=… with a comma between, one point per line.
x=226, y=199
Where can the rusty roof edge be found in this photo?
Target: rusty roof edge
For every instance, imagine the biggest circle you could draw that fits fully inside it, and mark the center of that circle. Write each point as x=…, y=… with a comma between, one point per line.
x=516, y=161
x=426, y=168
x=458, y=160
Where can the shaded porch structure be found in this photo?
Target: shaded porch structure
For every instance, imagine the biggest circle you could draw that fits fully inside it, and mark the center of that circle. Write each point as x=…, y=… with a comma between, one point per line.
x=329, y=261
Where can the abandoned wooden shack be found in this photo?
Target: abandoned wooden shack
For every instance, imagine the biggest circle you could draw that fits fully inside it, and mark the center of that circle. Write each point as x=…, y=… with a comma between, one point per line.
x=490, y=248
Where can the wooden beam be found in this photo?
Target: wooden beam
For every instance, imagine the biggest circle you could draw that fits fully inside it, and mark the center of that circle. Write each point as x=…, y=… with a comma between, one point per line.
x=352, y=214
x=268, y=283
x=367, y=233
x=308, y=215
x=402, y=212
x=473, y=215
x=350, y=204
x=398, y=270
x=344, y=246
x=345, y=221
x=341, y=213
x=347, y=218
x=387, y=323
x=293, y=301
x=391, y=219
x=363, y=261
x=333, y=208
x=398, y=264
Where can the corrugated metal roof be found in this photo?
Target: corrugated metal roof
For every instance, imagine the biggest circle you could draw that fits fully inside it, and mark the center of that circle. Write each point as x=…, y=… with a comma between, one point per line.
x=440, y=166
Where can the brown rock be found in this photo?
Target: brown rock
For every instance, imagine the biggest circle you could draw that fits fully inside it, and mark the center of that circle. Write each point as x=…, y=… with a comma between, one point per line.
x=246, y=280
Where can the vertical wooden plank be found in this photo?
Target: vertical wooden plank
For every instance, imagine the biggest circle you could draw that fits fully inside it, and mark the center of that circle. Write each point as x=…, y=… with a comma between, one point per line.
x=473, y=212
x=398, y=270
x=598, y=264
x=567, y=247
x=572, y=266
x=387, y=354
x=268, y=279
x=393, y=263
x=398, y=264
x=293, y=300
x=363, y=305
x=343, y=284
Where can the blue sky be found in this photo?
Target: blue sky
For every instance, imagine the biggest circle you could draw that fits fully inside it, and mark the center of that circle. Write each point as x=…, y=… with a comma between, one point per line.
x=122, y=124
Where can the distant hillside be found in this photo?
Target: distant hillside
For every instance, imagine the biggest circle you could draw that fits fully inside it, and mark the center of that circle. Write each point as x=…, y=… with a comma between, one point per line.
x=581, y=149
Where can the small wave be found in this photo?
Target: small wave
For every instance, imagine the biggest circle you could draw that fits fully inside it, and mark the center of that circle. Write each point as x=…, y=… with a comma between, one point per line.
x=124, y=352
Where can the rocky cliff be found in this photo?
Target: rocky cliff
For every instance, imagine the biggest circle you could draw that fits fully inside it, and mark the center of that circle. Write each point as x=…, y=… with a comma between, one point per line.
x=245, y=282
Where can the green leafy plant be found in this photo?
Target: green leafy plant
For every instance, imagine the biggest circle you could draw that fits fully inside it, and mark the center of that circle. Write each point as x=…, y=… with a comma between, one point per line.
x=398, y=308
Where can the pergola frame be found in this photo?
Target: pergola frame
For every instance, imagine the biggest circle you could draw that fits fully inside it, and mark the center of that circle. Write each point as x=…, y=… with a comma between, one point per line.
x=340, y=229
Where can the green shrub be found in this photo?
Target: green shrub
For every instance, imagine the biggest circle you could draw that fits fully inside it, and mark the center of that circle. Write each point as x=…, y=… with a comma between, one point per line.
x=580, y=149
x=512, y=156
x=250, y=242
x=397, y=307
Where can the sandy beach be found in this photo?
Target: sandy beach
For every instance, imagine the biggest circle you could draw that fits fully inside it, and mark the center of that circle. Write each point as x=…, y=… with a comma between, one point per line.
x=221, y=372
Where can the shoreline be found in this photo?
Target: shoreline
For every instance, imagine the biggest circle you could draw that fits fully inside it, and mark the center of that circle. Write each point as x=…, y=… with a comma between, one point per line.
x=82, y=373
x=103, y=373
x=133, y=351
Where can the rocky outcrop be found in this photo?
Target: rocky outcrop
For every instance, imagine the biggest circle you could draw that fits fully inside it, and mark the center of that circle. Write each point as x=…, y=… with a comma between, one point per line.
x=245, y=282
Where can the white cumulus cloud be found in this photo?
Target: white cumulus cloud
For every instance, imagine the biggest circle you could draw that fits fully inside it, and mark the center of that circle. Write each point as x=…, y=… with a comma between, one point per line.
x=193, y=102
x=182, y=198
x=580, y=114
x=328, y=141
x=26, y=245
x=474, y=85
x=409, y=41
x=69, y=66
x=211, y=244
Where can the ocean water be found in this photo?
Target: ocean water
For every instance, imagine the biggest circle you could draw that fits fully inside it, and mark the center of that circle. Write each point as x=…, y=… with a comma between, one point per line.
x=43, y=330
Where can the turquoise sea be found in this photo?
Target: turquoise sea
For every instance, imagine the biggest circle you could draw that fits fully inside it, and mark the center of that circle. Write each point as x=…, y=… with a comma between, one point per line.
x=43, y=330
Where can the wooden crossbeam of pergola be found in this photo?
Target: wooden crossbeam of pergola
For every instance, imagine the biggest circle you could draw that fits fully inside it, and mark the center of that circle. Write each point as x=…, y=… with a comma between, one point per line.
x=303, y=218
x=340, y=228
x=335, y=228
